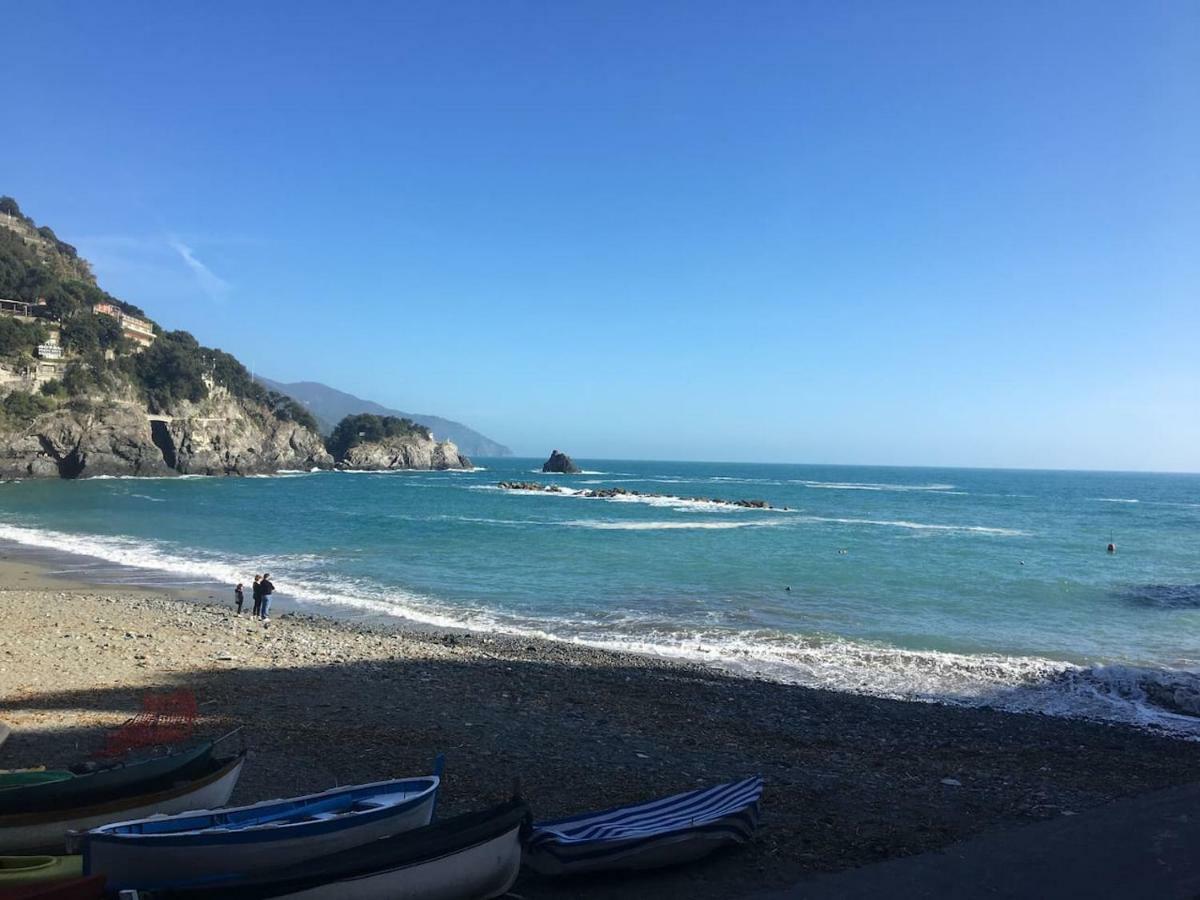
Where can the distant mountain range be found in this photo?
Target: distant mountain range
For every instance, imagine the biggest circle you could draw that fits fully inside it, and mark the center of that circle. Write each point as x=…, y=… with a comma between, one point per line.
x=329, y=406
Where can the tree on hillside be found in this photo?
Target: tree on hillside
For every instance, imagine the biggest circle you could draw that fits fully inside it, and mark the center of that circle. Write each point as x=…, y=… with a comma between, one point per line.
x=365, y=428
x=170, y=370
x=19, y=337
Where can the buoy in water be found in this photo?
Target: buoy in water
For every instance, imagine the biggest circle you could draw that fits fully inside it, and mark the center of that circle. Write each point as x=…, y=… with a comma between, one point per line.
x=1112, y=548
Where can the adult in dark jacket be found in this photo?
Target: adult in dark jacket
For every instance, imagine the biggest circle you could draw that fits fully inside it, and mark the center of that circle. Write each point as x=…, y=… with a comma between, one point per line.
x=266, y=589
x=256, y=590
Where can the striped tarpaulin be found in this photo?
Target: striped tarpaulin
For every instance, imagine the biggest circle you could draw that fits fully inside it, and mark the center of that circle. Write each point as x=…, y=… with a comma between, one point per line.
x=660, y=832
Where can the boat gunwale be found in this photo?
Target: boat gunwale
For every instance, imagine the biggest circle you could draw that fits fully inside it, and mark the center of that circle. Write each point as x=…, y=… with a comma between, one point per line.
x=265, y=830
x=226, y=765
x=477, y=828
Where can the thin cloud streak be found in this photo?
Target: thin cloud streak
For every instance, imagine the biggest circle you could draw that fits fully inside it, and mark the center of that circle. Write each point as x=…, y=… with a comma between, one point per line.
x=211, y=283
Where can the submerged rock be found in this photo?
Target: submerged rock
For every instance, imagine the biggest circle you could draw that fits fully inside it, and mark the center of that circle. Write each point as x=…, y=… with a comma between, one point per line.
x=611, y=492
x=561, y=463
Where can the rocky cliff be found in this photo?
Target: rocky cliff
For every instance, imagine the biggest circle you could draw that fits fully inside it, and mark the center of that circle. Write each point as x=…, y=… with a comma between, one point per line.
x=222, y=435
x=415, y=451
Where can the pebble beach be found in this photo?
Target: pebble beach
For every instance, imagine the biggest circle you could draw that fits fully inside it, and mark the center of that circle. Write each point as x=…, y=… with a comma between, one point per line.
x=320, y=702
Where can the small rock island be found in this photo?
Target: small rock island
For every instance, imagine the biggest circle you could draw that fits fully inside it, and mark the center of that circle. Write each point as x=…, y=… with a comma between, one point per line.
x=561, y=463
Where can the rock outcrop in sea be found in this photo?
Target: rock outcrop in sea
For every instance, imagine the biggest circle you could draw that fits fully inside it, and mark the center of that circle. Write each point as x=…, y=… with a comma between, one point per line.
x=561, y=463
x=610, y=493
x=414, y=451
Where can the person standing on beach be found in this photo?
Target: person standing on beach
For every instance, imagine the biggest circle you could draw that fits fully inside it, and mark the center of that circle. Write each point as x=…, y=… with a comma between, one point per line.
x=239, y=597
x=266, y=589
x=256, y=590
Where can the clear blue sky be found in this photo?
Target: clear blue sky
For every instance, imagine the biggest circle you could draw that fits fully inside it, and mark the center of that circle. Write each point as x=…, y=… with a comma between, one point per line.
x=865, y=232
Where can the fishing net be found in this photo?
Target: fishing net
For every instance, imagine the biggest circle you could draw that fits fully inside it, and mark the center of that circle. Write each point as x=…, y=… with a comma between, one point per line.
x=167, y=717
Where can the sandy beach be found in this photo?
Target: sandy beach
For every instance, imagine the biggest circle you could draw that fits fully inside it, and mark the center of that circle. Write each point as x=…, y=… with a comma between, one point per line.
x=849, y=779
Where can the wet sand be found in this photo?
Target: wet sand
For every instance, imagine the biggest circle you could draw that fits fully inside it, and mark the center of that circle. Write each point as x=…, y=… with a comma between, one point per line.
x=849, y=780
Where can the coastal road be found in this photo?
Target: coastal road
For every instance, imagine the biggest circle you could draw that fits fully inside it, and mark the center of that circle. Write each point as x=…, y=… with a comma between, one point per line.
x=1143, y=847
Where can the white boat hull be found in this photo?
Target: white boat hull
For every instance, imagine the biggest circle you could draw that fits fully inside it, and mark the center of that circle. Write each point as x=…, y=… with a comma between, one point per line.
x=485, y=870
x=31, y=836
x=139, y=863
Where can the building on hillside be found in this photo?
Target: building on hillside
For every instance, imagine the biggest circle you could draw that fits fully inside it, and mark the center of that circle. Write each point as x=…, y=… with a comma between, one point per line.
x=50, y=350
x=139, y=331
x=20, y=309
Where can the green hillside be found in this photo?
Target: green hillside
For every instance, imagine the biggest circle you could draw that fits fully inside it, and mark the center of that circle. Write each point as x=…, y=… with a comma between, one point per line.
x=38, y=268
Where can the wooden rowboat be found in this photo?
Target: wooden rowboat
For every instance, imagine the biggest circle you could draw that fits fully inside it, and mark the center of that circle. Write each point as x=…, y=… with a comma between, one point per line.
x=73, y=889
x=166, y=850
x=22, y=778
x=207, y=783
x=477, y=855
x=103, y=784
x=665, y=832
x=27, y=869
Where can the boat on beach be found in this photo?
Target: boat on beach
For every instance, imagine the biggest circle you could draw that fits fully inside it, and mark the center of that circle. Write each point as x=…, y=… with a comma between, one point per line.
x=16, y=870
x=665, y=832
x=104, y=783
x=477, y=855
x=165, y=850
x=206, y=782
x=20, y=778
x=71, y=889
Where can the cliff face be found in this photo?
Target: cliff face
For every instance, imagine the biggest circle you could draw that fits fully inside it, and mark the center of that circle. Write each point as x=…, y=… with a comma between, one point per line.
x=221, y=436
x=408, y=452
x=70, y=443
x=226, y=436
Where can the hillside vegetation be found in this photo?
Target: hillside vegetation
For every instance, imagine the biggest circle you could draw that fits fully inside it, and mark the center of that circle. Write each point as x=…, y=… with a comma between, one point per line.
x=37, y=267
x=368, y=429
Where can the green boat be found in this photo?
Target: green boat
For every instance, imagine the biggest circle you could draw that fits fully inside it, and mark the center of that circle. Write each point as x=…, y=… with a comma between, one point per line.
x=104, y=784
x=16, y=870
x=19, y=778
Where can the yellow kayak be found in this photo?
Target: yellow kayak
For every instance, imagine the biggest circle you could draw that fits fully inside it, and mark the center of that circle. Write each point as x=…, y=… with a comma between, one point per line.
x=26, y=869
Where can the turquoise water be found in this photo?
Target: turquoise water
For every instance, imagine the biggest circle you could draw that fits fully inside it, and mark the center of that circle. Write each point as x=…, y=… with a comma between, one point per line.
x=964, y=585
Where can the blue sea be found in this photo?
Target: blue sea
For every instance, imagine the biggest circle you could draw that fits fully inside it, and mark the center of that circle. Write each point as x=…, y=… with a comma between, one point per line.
x=968, y=586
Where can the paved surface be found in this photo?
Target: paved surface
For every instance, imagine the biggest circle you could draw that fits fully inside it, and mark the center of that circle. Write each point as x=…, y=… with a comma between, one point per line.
x=1146, y=847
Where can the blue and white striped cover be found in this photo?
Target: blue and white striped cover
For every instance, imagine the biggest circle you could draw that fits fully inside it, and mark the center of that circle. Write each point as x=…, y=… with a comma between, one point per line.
x=659, y=833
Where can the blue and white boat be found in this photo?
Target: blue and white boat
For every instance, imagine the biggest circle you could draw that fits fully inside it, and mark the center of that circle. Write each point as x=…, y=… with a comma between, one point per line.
x=477, y=855
x=161, y=851
x=665, y=832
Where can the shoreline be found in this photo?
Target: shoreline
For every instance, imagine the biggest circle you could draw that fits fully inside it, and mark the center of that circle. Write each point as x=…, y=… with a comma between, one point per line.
x=1040, y=685
x=850, y=779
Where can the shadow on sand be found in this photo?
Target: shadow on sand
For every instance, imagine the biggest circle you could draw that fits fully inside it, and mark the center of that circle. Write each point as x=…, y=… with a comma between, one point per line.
x=850, y=780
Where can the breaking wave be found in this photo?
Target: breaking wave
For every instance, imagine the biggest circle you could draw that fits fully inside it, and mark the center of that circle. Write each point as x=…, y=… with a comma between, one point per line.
x=877, y=486
x=1159, y=698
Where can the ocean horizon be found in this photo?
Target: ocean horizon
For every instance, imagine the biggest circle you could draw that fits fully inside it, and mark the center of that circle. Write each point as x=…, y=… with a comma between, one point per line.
x=982, y=587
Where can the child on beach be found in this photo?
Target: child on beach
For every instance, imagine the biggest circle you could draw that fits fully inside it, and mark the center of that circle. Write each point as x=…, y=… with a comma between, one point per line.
x=239, y=597
x=256, y=590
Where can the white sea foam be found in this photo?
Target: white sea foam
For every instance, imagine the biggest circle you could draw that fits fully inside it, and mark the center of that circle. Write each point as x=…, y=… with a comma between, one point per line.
x=580, y=472
x=1114, y=500
x=600, y=525
x=148, y=497
x=878, y=486
x=144, y=477
x=918, y=526
x=1167, y=699
x=683, y=504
